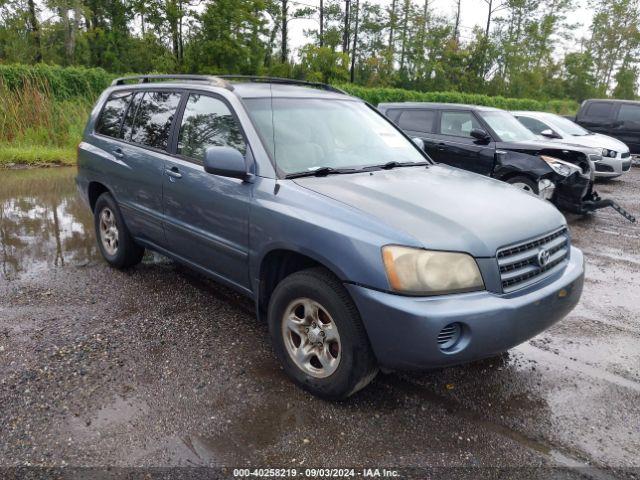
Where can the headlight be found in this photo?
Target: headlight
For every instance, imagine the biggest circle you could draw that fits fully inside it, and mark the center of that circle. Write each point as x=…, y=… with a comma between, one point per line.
x=605, y=152
x=426, y=272
x=609, y=153
x=560, y=166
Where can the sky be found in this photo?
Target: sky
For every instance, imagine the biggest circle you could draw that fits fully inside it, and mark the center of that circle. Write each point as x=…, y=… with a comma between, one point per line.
x=474, y=12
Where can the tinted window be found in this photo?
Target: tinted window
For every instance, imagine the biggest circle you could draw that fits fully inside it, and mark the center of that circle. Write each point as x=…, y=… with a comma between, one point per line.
x=112, y=113
x=458, y=124
x=127, y=124
x=417, y=120
x=629, y=113
x=536, y=126
x=599, y=110
x=207, y=122
x=153, y=119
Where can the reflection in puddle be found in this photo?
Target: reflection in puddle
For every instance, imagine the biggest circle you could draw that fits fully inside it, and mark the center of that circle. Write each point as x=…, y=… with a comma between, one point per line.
x=43, y=222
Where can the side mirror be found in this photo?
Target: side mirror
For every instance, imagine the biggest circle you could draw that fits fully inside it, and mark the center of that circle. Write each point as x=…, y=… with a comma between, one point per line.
x=549, y=133
x=225, y=161
x=419, y=142
x=480, y=134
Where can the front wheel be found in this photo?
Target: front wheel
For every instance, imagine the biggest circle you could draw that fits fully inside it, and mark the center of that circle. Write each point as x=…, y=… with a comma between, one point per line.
x=524, y=183
x=318, y=336
x=114, y=240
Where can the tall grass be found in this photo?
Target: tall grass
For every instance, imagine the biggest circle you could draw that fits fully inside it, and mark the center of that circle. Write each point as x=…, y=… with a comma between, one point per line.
x=37, y=128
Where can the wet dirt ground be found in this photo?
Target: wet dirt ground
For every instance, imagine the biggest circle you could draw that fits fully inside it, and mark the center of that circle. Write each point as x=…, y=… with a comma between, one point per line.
x=159, y=366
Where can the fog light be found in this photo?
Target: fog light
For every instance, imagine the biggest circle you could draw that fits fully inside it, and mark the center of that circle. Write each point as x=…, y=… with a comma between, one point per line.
x=546, y=188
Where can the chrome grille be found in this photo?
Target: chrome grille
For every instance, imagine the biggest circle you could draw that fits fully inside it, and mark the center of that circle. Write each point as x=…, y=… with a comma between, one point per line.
x=520, y=264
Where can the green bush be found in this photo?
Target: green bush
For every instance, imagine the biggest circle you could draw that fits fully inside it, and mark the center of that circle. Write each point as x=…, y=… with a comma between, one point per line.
x=381, y=95
x=43, y=108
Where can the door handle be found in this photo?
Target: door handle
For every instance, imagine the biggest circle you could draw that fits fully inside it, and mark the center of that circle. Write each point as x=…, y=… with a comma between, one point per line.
x=173, y=172
x=118, y=153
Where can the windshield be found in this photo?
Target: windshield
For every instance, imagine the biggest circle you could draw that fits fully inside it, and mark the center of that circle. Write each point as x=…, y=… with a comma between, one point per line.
x=507, y=127
x=567, y=126
x=306, y=134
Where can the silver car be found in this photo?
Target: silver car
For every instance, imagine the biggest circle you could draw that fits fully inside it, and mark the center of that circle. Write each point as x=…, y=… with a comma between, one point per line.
x=616, y=158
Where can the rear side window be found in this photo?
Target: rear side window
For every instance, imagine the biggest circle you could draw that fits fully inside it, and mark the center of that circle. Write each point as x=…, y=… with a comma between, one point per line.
x=129, y=116
x=152, y=124
x=536, y=126
x=208, y=122
x=629, y=113
x=112, y=113
x=458, y=124
x=417, y=120
x=601, y=110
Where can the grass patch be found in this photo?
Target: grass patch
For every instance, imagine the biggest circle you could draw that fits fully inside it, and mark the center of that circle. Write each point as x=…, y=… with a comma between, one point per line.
x=36, y=155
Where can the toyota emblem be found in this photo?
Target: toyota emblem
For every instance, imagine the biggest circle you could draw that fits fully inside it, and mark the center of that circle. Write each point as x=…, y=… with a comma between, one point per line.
x=543, y=257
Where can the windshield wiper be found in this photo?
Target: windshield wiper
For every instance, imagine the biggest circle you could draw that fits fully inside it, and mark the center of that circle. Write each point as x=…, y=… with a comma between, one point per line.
x=321, y=172
x=394, y=164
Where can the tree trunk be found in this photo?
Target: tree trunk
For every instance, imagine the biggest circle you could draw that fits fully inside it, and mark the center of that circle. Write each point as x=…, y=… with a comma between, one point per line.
x=486, y=32
x=321, y=23
x=405, y=27
x=285, y=19
x=346, y=36
x=456, y=29
x=35, y=31
x=392, y=24
x=354, y=50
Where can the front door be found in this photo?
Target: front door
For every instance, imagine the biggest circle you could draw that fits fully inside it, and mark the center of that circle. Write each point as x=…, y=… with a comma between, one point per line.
x=206, y=215
x=455, y=146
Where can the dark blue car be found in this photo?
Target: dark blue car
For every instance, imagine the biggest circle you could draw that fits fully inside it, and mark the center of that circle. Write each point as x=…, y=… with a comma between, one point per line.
x=358, y=250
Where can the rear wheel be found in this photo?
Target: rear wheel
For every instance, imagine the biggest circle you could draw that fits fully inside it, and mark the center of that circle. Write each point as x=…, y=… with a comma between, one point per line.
x=114, y=240
x=524, y=183
x=318, y=336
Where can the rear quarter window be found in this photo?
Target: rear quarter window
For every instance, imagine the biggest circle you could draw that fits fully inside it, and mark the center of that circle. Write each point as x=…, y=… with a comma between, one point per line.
x=599, y=110
x=110, y=119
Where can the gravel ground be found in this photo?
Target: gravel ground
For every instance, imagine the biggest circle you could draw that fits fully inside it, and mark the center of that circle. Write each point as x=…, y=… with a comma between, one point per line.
x=161, y=367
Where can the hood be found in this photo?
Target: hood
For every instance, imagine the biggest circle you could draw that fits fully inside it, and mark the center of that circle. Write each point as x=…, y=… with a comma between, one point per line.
x=595, y=141
x=444, y=208
x=535, y=146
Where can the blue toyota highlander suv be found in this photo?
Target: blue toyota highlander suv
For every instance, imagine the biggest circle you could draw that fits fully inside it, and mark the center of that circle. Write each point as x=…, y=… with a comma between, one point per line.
x=358, y=250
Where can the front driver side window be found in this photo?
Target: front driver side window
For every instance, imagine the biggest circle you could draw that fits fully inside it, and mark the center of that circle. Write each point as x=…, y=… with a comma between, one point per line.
x=208, y=122
x=458, y=124
x=534, y=125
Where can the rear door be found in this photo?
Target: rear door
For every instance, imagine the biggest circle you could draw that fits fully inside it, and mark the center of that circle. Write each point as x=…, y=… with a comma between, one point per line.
x=455, y=146
x=206, y=215
x=134, y=174
x=627, y=126
x=145, y=133
x=598, y=117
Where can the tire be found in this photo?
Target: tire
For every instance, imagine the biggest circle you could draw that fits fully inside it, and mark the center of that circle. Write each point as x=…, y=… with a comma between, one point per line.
x=349, y=361
x=525, y=183
x=114, y=240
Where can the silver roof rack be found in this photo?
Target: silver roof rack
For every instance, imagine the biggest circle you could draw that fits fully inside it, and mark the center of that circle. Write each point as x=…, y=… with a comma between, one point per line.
x=213, y=80
x=282, y=81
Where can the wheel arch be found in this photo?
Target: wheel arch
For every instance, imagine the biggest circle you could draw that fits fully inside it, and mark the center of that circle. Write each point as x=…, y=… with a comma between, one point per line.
x=94, y=190
x=277, y=264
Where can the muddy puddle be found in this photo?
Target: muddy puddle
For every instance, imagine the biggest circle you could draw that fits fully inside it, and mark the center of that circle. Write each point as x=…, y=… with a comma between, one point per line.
x=43, y=222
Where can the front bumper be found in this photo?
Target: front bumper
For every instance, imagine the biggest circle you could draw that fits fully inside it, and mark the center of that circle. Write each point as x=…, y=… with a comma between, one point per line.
x=612, y=167
x=403, y=330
